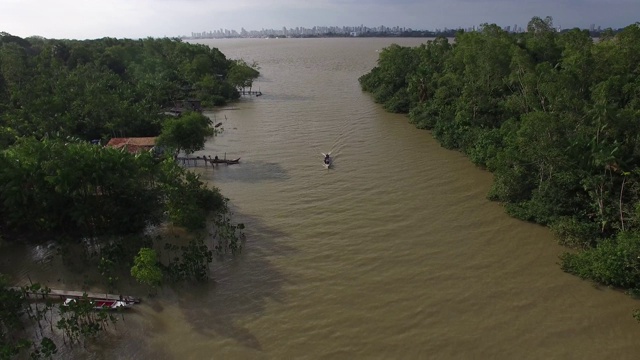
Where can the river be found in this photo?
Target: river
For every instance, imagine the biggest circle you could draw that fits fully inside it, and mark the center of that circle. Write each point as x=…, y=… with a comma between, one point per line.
x=393, y=253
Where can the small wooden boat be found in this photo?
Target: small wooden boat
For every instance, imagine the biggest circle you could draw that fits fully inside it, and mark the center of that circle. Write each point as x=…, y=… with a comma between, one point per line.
x=224, y=161
x=105, y=304
x=327, y=161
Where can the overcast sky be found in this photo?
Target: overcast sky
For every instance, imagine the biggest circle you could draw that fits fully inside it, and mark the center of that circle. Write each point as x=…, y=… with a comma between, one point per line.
x=88, y=19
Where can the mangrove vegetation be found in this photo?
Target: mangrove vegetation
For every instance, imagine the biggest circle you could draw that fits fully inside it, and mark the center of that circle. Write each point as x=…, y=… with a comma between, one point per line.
x=554, y=116
x=60, y=101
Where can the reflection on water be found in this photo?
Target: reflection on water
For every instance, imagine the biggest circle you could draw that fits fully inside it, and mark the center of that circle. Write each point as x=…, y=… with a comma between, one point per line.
x=250, y=171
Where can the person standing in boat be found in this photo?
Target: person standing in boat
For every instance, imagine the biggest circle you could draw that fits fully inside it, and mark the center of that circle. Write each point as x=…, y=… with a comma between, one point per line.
x=327, y=159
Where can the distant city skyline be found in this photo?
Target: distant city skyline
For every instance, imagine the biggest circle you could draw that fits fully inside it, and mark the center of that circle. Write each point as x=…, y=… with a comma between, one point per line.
x=350, y=31
x=87, y=19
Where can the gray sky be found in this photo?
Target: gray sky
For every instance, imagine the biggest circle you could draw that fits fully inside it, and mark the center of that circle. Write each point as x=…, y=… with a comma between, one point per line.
x=82, y=19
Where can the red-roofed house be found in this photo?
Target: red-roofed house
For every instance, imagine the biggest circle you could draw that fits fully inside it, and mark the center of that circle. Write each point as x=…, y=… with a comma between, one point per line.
x=133, y=145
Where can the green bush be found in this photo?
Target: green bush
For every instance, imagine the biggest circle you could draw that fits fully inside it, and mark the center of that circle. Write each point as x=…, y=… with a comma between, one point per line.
x=614, y=262
x=575, y=233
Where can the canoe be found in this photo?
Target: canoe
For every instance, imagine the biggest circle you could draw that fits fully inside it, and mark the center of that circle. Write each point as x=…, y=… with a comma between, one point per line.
x=224, y=161
x=104, y=304
x=326, y=163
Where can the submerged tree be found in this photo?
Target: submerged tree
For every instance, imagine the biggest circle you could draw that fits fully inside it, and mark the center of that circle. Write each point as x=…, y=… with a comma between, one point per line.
x=18, y=317
x=145, y=269
x=187, y=132
x=241, y=74
x=79, y=320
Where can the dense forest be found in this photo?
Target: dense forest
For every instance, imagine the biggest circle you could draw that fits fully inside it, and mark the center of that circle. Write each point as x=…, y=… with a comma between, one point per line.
x=554, y=116
x=61, y=99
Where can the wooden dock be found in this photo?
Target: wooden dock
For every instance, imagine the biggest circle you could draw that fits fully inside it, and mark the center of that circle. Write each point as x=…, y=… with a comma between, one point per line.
x=187, y=161
x=66, y=294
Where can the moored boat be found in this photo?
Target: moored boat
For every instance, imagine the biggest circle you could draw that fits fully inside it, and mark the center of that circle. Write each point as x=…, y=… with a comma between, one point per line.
x=224, y=161
x=104, y=304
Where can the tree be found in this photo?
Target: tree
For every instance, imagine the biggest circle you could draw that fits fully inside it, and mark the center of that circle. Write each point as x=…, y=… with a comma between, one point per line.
x=18, y=314
x=145, y=269
x=107, y=87
x=80, y=321
x=103, y=190
x=193, y=260
x=188, y=201
x=215, y=92
x=241, y=74
x=187, y=132
x=389, y=80
x=612, y=262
